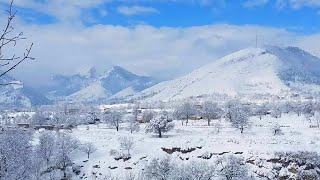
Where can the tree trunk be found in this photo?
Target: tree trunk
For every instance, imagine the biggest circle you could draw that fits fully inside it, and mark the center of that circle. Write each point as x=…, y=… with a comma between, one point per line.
x=159, y=133
x=187, y=121
x=209, y=121
x=117, y=127
x=88, y=155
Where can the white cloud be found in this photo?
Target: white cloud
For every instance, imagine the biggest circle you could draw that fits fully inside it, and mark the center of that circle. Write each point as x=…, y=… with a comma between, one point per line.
x=280, y=4
x=255, y=3
x=304, y=3
x=72, y=10
x=164, y=52
x=297, y=4
x=135, y=10
x=63, y=10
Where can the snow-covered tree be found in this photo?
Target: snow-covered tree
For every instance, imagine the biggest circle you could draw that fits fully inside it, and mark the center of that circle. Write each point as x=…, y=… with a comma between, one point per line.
x=159, y=124
x=298, y=107
x=135, y=112
x=40, y=118
x=232, y=167
x=185, y=111
x=88, y=148
x=308, y=110
x=126, y=143
x=287, y=107
x=261, y=110
x=276, y=111
x=200, y=170
x=317, y=118
x=58, y=118
x=159, y=169
x=93, y=114
x=15, y=154
x=133, y=125
x=217, y=127
x=276, y=129
x=114, y=118
x=211, y=110
x=308, y=175
x=147, y=116
x=237, y=114
x=46, y=147
x=66, y=145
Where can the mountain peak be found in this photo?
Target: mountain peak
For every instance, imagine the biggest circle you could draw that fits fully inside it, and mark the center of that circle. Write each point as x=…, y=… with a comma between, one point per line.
x=118, y=71
x=89, y=73
x=269, y=70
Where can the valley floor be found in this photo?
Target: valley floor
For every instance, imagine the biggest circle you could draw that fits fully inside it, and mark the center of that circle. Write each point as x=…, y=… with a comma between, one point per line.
x=201, y=140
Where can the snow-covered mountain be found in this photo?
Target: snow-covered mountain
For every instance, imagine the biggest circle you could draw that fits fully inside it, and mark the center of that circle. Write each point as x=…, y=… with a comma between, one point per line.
x=16, y=95
x=270, y=70
x=61, y=86
x=107, y=84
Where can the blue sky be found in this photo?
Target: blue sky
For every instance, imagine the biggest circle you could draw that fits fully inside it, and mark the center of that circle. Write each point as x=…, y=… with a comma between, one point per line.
x=295, y=15
x=162, y=38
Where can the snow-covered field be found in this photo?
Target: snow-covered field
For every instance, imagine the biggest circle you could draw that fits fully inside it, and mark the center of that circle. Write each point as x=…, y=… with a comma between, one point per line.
x=257, y=142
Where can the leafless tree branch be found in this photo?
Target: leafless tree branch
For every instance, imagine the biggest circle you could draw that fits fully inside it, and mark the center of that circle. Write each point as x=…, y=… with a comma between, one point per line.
x=7, y=39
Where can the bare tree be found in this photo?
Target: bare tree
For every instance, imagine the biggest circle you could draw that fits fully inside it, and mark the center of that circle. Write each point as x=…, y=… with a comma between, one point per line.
x=261, y=110
x=15, y=154
x=66, y=145
x=147, y=116
x=317, y=118
x=211, y=110
x=88, y=148
x=135, y=111
x=185, y=111
x=237, y=114
x=126, y=143
x=9, y=40
x=276, y=129
x=133, y=124
x=46, y=147
x=93, y=114
x=114, y=118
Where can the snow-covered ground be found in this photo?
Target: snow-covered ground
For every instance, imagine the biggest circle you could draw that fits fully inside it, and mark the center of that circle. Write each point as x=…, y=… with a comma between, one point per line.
x=258, y=142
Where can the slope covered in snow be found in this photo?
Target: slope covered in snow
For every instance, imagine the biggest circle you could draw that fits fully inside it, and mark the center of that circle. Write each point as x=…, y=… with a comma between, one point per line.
x=115, y=83
x=270, y=70
x=17, y=95
x=93, y=92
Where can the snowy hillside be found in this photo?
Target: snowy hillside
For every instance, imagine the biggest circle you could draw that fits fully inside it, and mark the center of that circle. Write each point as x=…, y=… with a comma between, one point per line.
x=117, y=81
x=270, y=70
x=17, y=95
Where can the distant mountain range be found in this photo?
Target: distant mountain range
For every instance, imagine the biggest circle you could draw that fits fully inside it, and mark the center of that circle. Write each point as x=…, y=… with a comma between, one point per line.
x=94, y=87
x=252, y=71
x=90, y=87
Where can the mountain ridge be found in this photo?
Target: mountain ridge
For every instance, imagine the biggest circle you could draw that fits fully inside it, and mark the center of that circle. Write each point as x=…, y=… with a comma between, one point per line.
x=270, y=70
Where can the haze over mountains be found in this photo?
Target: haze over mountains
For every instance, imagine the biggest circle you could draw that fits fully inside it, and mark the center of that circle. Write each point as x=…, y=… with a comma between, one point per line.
x=92, y=87
x=252, y=71
x=89, y=87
